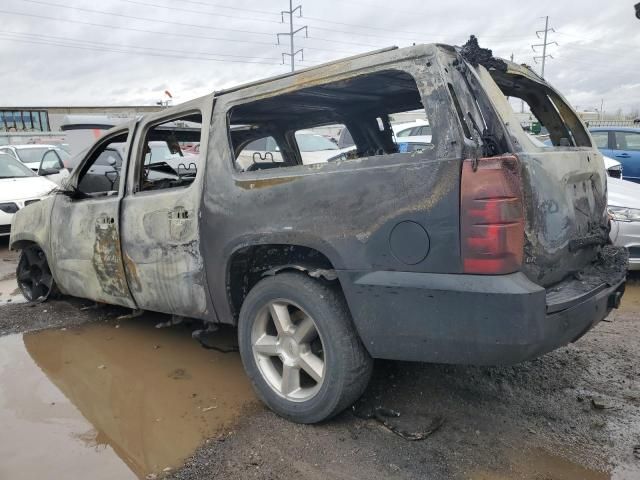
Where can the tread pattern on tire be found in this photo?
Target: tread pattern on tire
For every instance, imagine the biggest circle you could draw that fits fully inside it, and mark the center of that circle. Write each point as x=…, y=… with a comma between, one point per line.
x=353, y=355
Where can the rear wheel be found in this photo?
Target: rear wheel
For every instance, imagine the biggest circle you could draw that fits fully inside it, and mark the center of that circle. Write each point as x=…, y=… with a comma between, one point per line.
x=34, y=275
x=300, y=348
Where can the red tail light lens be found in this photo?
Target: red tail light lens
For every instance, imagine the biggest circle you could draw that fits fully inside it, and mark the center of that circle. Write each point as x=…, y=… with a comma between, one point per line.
x=491, y=216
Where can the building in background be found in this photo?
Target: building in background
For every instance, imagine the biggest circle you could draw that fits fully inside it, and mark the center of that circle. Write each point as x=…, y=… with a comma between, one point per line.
x=49, y=119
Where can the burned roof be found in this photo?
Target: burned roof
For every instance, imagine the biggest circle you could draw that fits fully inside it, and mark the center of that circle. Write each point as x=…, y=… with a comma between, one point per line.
x=473, y=53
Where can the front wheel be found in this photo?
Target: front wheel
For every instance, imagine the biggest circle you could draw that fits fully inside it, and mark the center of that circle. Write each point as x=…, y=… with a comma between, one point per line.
x=34, y=275
x=300, y=348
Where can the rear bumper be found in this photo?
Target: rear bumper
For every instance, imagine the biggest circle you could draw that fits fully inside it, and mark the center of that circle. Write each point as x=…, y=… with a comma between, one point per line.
x=469, y=319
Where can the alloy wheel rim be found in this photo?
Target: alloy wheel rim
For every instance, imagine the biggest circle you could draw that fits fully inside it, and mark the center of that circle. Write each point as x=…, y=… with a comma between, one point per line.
x=33, y=276
x=288, y=350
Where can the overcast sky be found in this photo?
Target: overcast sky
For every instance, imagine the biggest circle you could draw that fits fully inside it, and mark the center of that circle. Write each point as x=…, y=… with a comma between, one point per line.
x=136, y=49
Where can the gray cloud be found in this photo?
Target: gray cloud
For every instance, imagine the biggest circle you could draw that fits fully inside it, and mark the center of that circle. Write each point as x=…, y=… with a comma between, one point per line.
x=47, y=61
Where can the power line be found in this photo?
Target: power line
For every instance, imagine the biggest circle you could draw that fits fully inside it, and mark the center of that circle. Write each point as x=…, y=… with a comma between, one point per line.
x=291, y=34
x=133, y=29
x=544, y=45
x=254, y=19
x=133, y=17
x=199, y=12
x=217, y=5
x=182, y=24
x=110, y=45
x=4, y=36
x=155, y=32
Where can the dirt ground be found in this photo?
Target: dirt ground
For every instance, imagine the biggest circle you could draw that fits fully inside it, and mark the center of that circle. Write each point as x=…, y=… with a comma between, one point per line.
x=572, y=414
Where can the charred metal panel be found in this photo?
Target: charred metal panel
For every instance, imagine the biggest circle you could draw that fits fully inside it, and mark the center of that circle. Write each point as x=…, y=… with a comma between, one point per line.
x=565, y=196
x=31, y=224
x=345, y=209
x=87, y=261
x=161, y=238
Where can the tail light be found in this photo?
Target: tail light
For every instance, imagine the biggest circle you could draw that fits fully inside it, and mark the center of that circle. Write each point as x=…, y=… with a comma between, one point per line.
x=491, y=216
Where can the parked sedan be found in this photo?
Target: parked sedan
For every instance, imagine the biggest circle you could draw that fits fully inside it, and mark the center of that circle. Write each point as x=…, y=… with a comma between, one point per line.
x=622, y=144
x=417, y=131
x=31, y=155
x=19, y=186
x=624, y=208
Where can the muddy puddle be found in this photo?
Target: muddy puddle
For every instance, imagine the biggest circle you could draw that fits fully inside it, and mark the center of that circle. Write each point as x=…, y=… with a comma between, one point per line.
x=631, y=298
x=117, y=402
x=538, y=464
x=9, y=291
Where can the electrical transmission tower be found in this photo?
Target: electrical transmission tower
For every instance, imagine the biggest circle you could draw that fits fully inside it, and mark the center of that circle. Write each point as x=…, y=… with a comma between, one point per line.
x=544, y=45
x=291, y=34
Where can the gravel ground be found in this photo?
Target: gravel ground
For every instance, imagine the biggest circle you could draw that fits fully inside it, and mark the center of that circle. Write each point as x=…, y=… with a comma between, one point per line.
x=491, y=415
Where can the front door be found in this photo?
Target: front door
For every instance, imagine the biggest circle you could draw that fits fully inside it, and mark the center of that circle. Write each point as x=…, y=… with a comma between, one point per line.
x=85, y=226
x=627, y=151
x=160, y=228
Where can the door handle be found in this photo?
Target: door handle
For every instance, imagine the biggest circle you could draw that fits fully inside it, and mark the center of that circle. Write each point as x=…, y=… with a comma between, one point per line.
x=179, y=213
x=623, y=155
x=105, y=222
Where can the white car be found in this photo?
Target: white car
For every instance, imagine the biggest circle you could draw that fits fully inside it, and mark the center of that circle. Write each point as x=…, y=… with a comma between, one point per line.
x=417, y=131
x=31, y=154
x=19, y=186
x=624, y=208
x=314, y=148
x=614, y=167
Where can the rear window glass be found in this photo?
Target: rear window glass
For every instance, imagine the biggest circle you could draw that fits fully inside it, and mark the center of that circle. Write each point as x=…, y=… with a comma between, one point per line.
x=31, y=155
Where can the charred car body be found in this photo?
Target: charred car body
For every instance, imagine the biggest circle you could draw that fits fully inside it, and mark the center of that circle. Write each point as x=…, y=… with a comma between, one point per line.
x=479, y=248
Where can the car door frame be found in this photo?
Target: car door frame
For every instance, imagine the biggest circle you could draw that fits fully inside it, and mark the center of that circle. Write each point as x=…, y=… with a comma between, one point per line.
x=161, y=229
x=85, y=235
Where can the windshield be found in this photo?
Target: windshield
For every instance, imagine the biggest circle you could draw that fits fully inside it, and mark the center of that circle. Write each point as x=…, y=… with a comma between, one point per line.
x=310, y=142
x=31, y=155
x=12, y=168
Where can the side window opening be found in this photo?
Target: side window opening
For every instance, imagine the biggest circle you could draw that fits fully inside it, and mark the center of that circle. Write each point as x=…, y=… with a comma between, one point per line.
x=261, y=153
x=167, y=161
x=342, y=120
x=101, y=174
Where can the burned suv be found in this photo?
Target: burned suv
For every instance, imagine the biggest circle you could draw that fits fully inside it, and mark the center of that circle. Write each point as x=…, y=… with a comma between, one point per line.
x=480, y=247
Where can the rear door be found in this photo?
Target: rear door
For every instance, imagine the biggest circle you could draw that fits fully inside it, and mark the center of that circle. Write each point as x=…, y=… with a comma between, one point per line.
x=627, y=151
x=160, y=212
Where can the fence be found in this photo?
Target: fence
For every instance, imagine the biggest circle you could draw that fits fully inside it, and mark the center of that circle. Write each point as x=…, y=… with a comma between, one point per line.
x=613, y=123
x=21, y=138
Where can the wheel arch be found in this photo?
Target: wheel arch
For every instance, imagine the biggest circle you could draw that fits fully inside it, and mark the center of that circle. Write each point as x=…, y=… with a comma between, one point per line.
x=23, y=243
x=250, y=263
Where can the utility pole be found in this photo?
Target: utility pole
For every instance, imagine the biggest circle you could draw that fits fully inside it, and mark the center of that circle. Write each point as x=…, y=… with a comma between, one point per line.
x=291, y=34
x=544, y=45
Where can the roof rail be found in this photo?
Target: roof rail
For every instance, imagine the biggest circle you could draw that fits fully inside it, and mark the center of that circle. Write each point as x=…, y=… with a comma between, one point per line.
x=290, y=74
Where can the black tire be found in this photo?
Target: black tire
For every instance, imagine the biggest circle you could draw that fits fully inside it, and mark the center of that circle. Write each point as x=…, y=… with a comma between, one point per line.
x=347, y=365
x=34, y=275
